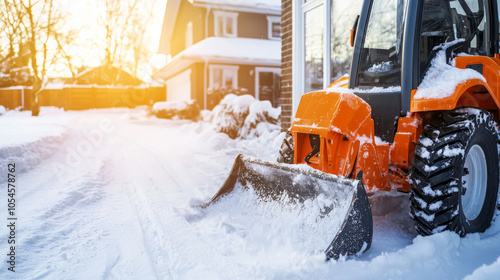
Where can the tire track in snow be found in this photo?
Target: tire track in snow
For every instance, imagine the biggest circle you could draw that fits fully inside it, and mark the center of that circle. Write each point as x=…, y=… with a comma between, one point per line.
x=49, y=230
x=156, y=186
x=152, y=234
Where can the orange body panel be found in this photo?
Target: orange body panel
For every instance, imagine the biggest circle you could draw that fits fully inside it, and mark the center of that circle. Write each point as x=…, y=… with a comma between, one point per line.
x=347, y=141
x=346, y=130
x=473, y=92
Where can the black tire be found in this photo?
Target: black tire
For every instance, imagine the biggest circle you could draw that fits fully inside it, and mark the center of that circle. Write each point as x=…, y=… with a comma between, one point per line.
x=440, y=173
x=286, y=150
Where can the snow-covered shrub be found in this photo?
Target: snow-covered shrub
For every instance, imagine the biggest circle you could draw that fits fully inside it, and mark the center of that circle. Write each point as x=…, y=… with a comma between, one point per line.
x=215, y=95
x=187, y=110
x=244, y=116
x=2, y=110
x=261, y=117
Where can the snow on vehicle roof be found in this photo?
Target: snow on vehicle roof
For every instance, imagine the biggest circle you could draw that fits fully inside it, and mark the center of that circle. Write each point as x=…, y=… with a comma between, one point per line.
x=442, y=78
x=237, y=50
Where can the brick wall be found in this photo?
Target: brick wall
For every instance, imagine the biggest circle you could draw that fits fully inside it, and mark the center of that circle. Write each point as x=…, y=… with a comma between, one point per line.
x=286, y=63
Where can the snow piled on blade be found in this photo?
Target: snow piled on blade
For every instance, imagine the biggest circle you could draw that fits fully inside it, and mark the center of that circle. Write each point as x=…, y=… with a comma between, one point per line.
x=275, y=234
x=442, y=78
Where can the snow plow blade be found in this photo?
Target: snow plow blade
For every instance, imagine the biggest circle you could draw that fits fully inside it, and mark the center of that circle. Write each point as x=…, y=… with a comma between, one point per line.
x=343, y=200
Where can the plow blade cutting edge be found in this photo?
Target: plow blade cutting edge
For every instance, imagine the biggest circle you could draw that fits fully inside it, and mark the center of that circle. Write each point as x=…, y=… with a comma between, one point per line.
x=343, y=200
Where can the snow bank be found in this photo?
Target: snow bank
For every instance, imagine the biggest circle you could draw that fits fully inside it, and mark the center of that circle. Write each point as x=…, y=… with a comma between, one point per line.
x=244, y=116
x=486, y=272
x=2, y=110
x=442, y=77
x=176, y=110
x=26, y=141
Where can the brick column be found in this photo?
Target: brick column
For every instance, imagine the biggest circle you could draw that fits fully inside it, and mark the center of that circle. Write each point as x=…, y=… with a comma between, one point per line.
x=286, y=63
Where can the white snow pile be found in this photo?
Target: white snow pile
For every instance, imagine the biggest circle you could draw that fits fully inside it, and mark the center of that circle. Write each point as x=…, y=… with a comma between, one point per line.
x=442, y=77
x=3, y=111
x=486, y=272
x=244, y=116
x=188, y=110
x=271, y=236
x=26, y=141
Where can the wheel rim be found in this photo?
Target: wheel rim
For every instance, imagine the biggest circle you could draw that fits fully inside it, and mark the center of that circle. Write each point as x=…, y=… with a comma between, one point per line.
x=474, y=183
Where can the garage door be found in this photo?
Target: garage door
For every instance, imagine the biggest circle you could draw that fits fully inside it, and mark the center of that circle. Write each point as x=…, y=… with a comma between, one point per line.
x=179, y=87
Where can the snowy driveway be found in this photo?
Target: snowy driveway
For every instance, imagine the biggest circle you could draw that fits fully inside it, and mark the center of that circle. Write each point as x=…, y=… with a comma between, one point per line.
x=112, y=195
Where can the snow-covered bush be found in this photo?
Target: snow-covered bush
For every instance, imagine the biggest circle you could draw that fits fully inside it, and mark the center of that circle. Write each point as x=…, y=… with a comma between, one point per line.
x=215, y=95
x=187, y=110
x=244, y=116
x=2, y=110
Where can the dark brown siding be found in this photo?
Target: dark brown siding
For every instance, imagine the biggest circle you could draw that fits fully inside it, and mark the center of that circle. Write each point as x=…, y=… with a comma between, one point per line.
x=252, y=26
x=197, y=83
x=286, y=64
x=187, y=13
x=211, y=25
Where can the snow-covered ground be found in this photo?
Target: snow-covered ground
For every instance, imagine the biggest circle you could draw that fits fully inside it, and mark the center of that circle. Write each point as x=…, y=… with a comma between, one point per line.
x=113, y=194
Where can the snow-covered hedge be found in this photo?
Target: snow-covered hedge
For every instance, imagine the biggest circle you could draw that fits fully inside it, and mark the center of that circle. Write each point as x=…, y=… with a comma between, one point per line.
x=244, y=116
x=2, y=110
x=188, y=110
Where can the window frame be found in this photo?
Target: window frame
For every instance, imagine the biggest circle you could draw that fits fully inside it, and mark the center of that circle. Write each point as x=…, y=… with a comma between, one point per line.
x=259, y=70
x=224, y=16
x=299, y=9
x=233, y=68
x=270, y=21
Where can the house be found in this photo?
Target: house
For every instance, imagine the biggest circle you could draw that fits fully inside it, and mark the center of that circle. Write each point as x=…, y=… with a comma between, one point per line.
x=215, y=46
x=105, y=75
x=316, y=49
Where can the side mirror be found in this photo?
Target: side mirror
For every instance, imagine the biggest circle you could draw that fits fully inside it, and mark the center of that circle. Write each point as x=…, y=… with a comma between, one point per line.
x=353, y=30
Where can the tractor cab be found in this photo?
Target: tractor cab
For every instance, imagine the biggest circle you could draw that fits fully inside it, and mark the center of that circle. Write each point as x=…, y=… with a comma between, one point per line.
x=397, y=40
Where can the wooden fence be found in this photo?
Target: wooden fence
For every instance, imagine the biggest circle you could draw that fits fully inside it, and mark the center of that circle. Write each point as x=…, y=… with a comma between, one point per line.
x=83, y=98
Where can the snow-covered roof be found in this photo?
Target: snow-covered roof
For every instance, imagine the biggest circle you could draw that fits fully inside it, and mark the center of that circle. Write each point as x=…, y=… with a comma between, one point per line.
x=270, y=7
x=237, y=51
x=258, y=6
x=242, y=50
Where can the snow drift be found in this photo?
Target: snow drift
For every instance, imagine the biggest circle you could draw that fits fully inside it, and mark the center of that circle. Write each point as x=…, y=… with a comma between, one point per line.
x=244, y=116
x=184, y=110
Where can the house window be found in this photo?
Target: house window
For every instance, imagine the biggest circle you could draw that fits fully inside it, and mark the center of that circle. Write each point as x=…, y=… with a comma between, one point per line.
x=223, y=76
x=322, y=52
x=343, y=14
x=189, y=35
x=314, y=30
x=225, y=24
x=274, y=27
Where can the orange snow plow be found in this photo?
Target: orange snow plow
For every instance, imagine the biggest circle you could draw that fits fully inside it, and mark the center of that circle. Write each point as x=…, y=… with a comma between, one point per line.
x=342, y=199
x=413, y=116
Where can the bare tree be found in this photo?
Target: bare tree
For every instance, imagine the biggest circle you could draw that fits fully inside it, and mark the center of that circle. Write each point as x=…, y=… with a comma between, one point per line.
x=125, y=24
x=137, y=34
x=10, y=21
x=65, y=41
x=42, y=23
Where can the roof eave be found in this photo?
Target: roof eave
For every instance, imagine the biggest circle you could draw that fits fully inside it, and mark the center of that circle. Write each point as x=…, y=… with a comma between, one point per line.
x=236, y=8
